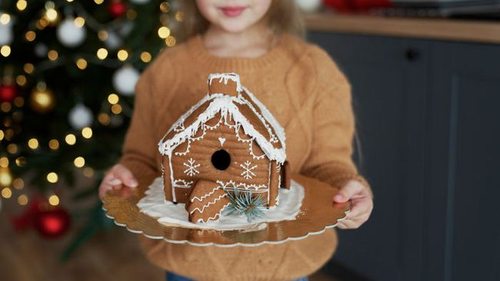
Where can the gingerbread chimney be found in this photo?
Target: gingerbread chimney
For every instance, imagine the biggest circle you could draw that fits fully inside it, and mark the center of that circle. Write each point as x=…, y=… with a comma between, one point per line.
x=224, y=83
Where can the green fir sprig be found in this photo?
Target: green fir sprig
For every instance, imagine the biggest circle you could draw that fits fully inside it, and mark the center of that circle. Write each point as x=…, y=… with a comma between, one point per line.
x=245, y=203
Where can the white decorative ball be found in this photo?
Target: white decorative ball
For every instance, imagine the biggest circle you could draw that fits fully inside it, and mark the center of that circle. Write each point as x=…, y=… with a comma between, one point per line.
x=309, y=6
x=139, y=1
x=113, y=41
x=80, y=117
x=70, y=34
x=6, y=34
x=124, y=80
x=41, y=50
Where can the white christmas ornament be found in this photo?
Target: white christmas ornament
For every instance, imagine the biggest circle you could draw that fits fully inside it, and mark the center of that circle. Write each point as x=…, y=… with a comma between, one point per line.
x=124, y=80
x=41, y=50
x=139, y=1
x=80, y=117
x=6, y=33
x=70, y=34
x=113, y=41
x=309, y=6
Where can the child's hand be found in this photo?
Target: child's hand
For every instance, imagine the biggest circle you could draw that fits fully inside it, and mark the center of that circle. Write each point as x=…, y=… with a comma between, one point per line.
x=116, y=179
x=361, y=204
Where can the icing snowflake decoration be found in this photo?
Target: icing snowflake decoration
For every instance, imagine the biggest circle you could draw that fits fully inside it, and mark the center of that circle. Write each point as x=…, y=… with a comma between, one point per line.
x=248, y=168
x=192, y=167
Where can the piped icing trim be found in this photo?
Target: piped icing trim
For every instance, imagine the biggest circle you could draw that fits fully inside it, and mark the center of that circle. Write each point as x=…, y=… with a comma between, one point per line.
x=227, y=106
x=224, y=78
x=213, y=202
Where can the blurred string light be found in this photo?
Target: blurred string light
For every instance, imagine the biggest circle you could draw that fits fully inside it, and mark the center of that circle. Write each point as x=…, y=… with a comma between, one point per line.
x=102, y=53
x=163, y=32
x=21, y=81
x=5, y=50
x=146, y=57
x=22, y=200
x=88, y=172
x=6, y=192
x=81, y=63
x=70, y=139
x=87, y=132
x=79, y=21
x=5, y=18
x=28, y=68
x=113, y=98
x=52, y=55
x=104, y=119
x=20, y=161
x=51, y=14
x=21, y=5
x=5, y=177
x=33, y=143
x=30, y=36
x=54, y=200
x=12, y=148
x=122, y=55
x=18, y=184
x=164, y=7
x=79, y=162
x=4, y=162
x=54, y=144
x=52, y=177
x=116, y=109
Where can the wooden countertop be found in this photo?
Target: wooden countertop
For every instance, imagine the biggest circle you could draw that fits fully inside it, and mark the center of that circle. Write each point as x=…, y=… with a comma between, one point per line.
x=426, y=28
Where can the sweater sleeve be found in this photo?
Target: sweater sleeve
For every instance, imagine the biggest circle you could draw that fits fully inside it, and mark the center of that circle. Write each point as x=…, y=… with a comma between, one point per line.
x=139, y=149
x=330, y=158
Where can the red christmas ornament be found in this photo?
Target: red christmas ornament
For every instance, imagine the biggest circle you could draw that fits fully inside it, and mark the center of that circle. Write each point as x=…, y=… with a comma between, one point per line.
x=26, y=220
x=338, y=5
x=8, y=93
x=117, y=8
x=52, y=222
x=355, y=5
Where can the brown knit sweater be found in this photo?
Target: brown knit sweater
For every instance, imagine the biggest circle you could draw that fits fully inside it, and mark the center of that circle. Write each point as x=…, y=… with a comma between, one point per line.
x=307, y=93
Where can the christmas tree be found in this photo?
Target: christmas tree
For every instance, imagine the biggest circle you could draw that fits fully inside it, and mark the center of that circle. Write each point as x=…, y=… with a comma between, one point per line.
x=68, y=71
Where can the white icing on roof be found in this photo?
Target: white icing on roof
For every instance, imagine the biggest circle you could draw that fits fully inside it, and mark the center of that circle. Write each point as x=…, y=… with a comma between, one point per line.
x=227, y=106
x=225, y=77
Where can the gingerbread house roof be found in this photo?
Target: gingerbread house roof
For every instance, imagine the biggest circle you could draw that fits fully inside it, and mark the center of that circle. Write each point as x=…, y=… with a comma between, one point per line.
x=241, y=108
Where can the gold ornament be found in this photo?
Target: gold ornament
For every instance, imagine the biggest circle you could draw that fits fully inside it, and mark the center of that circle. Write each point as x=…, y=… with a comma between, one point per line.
x=42, y=99
x=5, y=177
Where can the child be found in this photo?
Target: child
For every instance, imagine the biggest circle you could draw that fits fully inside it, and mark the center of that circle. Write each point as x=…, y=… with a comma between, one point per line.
x=297, y=81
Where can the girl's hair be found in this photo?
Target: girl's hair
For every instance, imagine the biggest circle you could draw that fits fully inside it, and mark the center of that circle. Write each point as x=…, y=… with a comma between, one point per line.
x=283, y=17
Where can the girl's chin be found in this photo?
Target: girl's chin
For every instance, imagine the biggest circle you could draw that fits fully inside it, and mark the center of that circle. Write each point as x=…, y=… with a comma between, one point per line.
x=235, y=26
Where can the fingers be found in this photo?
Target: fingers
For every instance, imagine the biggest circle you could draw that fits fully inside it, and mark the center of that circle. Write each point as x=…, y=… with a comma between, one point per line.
x=348, y=224
x=348, y=191
x=109, y=183
x=360, y=209
x=361, y=204
x=118, y=177
x=125, y=175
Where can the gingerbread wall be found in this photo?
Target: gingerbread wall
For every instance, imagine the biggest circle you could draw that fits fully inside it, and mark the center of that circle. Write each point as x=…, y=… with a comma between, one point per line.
x=193, y=161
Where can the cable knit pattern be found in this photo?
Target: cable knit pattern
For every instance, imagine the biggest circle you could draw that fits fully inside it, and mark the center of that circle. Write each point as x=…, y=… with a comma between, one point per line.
x=308, y=94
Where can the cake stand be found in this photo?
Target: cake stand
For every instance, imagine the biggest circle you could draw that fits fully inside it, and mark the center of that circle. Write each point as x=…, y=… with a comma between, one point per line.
x=317, y=214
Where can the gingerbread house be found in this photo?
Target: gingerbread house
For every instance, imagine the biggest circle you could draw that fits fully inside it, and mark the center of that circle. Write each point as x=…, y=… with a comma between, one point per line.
x=227, y=141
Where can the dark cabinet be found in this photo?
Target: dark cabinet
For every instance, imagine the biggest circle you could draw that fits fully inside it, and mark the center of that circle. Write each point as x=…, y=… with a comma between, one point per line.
x=429, y=135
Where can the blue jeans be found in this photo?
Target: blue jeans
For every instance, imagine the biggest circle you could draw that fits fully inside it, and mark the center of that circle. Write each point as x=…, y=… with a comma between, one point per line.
x=175, y=277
